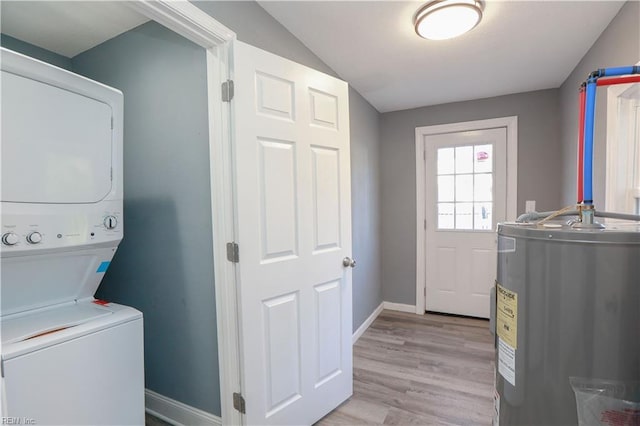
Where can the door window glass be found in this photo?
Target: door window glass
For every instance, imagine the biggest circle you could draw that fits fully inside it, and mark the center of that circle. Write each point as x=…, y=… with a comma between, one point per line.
x=465, y=187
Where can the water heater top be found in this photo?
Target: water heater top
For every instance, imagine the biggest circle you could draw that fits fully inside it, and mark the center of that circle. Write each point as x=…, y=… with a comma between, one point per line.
x=618, y=232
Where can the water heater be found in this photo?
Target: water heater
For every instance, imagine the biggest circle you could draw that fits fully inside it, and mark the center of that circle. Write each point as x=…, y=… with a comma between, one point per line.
x=567, y=306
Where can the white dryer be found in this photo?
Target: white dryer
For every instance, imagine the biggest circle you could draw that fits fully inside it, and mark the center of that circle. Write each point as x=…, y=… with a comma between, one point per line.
x=66, y=357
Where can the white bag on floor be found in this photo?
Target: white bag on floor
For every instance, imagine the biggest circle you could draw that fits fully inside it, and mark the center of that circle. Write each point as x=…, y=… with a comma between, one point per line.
x=607, y=402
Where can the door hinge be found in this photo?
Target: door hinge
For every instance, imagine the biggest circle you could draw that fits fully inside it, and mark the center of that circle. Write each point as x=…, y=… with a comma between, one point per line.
x=227, y=91
x=238, y=402
x=424, y=155
x=233, y=252
x=112, y=122
x=425, y=224
x=111, y=174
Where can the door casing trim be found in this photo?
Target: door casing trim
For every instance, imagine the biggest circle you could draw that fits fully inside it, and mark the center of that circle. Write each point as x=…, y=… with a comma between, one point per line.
x=189, y=21
x=511, y=124
x=618, y=146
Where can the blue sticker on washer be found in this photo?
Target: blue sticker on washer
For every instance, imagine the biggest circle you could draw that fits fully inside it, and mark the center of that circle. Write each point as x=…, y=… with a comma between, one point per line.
x=103, y=267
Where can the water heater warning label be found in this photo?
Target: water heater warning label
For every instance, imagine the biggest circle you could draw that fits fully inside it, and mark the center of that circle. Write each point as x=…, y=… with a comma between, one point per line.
x=507, y=328
x=507, y=315
x=507, y=362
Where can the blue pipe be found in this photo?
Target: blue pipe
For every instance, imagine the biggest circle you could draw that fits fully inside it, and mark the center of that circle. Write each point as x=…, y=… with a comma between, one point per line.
x=615, y=71
x=589, y=122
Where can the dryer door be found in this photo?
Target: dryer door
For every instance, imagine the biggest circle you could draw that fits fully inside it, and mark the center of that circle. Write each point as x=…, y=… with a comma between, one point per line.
x=56, y=144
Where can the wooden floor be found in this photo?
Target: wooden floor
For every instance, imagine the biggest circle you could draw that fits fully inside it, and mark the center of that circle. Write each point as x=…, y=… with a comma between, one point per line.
x=420, y=370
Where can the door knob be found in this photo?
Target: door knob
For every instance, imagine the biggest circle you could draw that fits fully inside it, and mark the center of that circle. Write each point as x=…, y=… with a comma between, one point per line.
x=347, y=261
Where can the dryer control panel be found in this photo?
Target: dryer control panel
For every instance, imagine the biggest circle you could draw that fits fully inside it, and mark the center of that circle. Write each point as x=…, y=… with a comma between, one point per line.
x=61, y=227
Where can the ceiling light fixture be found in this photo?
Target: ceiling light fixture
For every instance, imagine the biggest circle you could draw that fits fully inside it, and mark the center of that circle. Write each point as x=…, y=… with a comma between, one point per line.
x=444, y=19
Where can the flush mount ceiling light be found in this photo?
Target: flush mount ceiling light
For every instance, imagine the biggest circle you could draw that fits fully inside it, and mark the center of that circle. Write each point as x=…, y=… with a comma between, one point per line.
x=443, y=19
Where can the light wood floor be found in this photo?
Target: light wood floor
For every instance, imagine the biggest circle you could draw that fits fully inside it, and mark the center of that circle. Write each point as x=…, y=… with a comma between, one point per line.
x=420, y=370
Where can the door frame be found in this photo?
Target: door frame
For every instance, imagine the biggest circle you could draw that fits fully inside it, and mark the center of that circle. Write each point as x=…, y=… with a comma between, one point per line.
x=620, y=106
x=196, y=25
x=511, y=124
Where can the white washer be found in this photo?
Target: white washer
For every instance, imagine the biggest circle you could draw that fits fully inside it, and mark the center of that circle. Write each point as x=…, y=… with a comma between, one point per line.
x=87, y=372
x=66, y=357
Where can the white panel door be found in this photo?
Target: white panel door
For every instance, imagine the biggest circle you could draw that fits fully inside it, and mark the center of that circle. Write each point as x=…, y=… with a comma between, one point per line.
x=466, y=184
x=294, y=229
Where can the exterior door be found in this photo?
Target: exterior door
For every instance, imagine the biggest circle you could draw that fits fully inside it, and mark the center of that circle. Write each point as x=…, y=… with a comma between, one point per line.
x=294, y=230
x=466, y=184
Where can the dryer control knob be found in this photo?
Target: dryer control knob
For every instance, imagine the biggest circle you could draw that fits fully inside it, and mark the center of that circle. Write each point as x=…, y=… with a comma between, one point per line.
x=110, y=222
x=34, y=237
x=10, y=239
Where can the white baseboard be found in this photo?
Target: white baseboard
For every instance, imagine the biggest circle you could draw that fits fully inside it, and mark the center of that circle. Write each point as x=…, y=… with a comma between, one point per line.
x=360, y=331
x=177, y=413
x=401, y=307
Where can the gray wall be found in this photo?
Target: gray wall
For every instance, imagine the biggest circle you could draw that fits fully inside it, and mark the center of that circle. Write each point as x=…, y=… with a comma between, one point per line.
x=538, y=171
x=35, y=51
x=619, y=45
x=253, y=25
x=365, y=207
x=164, y=266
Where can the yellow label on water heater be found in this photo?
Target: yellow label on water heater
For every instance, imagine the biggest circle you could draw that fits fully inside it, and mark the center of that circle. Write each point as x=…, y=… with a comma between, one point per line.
x=507, y=315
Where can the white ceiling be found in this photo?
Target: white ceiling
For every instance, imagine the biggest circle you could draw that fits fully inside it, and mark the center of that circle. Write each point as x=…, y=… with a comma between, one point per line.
x=67, y=27
x=519, y=46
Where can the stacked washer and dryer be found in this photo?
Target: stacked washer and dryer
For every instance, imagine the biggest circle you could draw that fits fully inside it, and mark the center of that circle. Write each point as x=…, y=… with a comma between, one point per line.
x=67, y=358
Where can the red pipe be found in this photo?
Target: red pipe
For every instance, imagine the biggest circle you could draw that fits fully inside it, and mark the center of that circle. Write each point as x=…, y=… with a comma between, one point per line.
x=618, y=80
x=581, y=146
